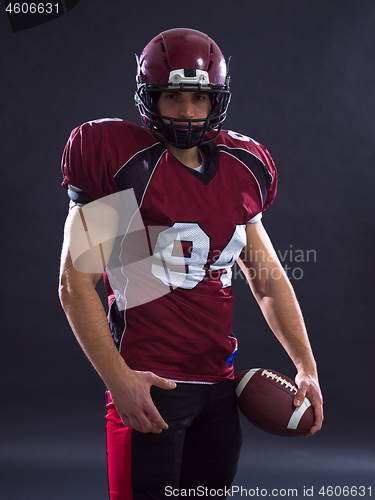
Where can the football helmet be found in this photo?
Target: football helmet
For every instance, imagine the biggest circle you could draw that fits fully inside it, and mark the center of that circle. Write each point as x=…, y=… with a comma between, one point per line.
x=182, y=60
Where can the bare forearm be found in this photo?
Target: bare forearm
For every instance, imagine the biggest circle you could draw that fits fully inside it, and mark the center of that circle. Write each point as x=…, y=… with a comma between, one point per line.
x=283, y=314
x=88, y=321
x=130, y=389
x=275, y=296
x=277, y=300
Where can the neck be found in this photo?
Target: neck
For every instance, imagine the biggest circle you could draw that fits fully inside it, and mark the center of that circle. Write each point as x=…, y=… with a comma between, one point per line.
x=189, y=157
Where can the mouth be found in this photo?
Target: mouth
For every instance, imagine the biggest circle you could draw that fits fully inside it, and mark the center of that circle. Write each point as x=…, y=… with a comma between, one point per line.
x=182, y=125
x=190, y=125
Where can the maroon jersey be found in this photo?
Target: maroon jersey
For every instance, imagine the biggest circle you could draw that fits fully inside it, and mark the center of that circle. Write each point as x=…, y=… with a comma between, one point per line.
x=185, y=332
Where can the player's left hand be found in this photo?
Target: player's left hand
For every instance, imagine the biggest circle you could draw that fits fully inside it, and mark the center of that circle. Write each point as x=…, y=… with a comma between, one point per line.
x=308, y=386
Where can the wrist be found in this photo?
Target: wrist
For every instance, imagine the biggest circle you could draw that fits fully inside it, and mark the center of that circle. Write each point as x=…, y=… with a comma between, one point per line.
x=115, y=371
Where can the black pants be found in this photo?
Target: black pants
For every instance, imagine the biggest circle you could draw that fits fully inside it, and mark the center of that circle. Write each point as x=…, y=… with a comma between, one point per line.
x=200, y=450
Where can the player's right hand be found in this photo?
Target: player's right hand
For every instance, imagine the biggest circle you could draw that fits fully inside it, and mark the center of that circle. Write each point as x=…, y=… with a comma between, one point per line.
x=133, y=401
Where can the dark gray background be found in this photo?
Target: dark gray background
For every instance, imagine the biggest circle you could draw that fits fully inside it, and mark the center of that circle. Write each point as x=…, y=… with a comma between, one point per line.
x=303, y=79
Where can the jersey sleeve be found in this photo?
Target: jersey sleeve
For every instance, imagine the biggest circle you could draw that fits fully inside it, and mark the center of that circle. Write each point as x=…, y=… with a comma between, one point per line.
x=78, y=197
x=256, y=158
x=270, y=167
x=256, y=218
x=87, y=163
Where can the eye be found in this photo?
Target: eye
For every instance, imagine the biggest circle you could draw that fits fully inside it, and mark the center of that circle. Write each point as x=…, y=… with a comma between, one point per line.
x=201, y=97
x=170, y=95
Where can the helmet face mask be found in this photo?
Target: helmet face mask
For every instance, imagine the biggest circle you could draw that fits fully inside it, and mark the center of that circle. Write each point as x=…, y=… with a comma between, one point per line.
x=182, y=60
x=182, y=133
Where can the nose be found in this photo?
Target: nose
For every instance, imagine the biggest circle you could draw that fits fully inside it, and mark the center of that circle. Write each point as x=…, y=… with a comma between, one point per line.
x=186, y=107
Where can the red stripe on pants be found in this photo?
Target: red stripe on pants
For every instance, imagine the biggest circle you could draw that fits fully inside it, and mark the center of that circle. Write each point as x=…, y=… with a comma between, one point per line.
x=119, y=449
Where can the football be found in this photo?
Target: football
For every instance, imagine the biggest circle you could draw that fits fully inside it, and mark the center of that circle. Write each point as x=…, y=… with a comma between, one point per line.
x=265, y=397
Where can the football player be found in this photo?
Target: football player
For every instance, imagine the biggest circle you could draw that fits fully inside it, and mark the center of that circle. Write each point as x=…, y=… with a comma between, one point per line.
x=166, y=348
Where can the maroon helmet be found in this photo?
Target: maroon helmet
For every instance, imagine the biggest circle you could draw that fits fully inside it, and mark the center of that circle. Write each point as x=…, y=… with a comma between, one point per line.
x=182, y=60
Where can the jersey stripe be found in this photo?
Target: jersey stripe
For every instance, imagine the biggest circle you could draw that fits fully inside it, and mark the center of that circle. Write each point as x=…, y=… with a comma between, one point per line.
x=259, y=170
x=139, y=170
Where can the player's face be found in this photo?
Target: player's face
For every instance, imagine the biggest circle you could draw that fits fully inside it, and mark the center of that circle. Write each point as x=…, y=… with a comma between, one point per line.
x=184, y=105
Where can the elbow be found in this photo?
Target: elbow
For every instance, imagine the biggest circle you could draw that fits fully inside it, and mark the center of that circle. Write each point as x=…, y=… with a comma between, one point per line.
x=255, y=279
x=271, y=285
x=260, y=287
x=63, y=292
x=261, y=294
x=73, y=286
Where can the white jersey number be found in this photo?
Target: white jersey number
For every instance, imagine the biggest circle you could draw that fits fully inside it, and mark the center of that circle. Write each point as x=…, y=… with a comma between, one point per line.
x=241, y=137
x=192, y=268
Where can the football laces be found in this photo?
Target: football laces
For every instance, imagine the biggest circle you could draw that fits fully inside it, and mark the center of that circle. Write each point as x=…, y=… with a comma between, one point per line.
x=280, y=380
